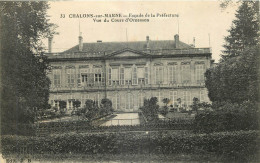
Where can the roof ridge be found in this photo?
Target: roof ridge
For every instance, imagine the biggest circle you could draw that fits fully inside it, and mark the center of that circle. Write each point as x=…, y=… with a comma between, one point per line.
x=137, y=45
x=124, y=41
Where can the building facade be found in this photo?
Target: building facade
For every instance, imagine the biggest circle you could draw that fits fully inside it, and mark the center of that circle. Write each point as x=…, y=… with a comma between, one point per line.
x=128, y=72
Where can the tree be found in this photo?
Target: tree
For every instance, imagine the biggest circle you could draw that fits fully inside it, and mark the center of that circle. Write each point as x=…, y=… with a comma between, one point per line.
x=106, y=106
x=244, y=31
x=150, y=109
x=25, y=86
x=76, y=104
x=236, y=79
x=91, y=109
x=166, y=101
x=62, y=105
x=195, y=104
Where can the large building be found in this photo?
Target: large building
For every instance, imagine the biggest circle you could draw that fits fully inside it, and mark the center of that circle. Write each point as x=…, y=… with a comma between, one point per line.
x=128, y=72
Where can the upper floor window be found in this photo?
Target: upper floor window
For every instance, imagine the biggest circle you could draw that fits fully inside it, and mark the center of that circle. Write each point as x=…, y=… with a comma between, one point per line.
x=186, y=75
x=172, y=74
x=98, y=76
x=86, y=77
x=199, y=73
x=128, y=76
x=57, y=77
x=134, y=76
x=141, y=75
x=70, y=77
x=159, y=74
x=113, y=76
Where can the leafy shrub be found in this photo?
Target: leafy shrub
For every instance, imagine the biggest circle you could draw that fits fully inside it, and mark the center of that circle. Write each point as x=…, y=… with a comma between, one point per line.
x=228, y=117
x=163, y=110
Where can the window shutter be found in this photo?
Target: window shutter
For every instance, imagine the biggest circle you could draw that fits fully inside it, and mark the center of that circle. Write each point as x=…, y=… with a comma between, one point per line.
x=109, y=76
x=122, y=77
x=79, y=82
x=146, y=75
x=103, y=78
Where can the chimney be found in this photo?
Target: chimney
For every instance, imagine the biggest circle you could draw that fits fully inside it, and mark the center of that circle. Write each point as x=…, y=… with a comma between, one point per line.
x=80, y=42
x=176, y=41
x=50, y=44
x=193, y=41
x=147, y=43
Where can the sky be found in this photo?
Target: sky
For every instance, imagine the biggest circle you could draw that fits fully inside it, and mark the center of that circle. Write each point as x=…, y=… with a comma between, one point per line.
x=203, y=20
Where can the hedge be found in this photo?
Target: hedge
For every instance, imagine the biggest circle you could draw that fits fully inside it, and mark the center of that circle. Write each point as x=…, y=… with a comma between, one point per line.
x=228, y=117
x=238, y=145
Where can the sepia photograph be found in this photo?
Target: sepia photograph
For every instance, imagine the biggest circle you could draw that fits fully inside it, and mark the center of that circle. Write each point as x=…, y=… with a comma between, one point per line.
x=129, y=81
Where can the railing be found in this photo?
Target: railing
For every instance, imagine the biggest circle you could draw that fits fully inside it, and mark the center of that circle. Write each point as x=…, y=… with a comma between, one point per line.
x=115, y=87
x=121, y=122
x=181, y=51
x=152, y=52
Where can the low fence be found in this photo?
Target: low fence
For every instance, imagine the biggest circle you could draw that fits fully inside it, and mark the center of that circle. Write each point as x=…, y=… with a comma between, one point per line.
x=121, y=122
x=130, y=125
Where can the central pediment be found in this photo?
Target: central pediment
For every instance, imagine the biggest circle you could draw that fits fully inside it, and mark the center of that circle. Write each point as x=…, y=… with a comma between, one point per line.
x=128, y=53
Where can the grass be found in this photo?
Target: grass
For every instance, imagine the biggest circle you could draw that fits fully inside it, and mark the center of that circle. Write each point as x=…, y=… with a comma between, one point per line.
x=205, y=157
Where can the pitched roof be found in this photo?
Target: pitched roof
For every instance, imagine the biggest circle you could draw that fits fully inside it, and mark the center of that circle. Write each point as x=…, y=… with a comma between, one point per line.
x=136, y=45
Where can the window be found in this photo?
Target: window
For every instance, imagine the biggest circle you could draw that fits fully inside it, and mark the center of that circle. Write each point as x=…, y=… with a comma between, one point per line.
x=98, y=76
x=57, y=77
x=128, y=77
x=186, y=76
x=97, y=98
x=122, y=102
x=186, y=99
x=159, y=75
x=202, y=96
x=70, y=101
x=129, y=101
x=199, y=73
x=172, y=74
x=56, y=103
x=159, y=95
x=70, y=104
x=122, y=76
x=115, y=76
x=141, y=99
x=116, y=101
x=84, y=78
x=134, y=76
x=71, y=77
x=173, y=97
x=141, y=75
x=84, y=98
x=57, y=99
